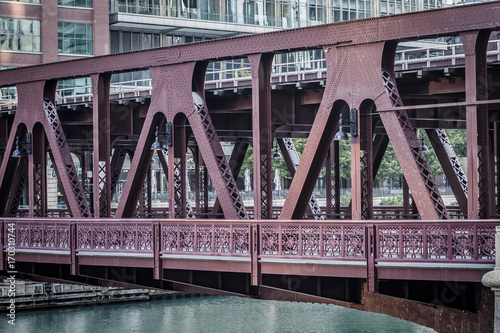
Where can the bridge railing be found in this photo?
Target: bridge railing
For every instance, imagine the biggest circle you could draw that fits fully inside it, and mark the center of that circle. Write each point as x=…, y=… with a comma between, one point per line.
x=383, y=241
x=115, y=236
x=438, y=241
x=207, y=238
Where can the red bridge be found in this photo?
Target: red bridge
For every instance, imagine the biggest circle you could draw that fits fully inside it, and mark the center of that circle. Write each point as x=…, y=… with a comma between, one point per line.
x=422, y=261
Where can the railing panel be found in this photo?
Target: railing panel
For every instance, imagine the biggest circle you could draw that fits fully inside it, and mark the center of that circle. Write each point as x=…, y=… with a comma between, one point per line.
x=115, y=236
x=43, y=235
x=468, y=241
x=216, y=238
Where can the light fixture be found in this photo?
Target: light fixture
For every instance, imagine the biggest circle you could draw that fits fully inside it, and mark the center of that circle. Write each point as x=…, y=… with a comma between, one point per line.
x=423, y=146
x=157, y=145
x=276, y=153
x=18, y=153
x=353, y=122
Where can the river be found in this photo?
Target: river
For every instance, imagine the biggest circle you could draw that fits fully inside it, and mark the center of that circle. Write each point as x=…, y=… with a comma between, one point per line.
x=206, y=314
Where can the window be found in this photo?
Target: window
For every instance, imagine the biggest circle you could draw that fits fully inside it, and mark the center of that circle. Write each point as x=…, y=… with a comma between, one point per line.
x=74, y=38
x=75, y=3
x=7, y=93
x=20, y=35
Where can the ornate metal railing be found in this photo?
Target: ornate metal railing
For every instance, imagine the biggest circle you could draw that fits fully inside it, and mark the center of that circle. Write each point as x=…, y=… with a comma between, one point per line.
x=38, y=235
x=421, y=241
x=313, y=241
x=401, y=241
x=213, y=238
x=115, y=236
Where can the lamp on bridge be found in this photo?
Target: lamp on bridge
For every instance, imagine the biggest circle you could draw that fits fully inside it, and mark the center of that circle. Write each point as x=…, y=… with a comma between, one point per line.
x=18, y=153
x=353, y=122
x=157, y=145
x=276, y=153
x=423, y=146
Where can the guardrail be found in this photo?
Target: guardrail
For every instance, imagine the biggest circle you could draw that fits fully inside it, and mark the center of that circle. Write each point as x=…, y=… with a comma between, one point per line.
x=404, y=241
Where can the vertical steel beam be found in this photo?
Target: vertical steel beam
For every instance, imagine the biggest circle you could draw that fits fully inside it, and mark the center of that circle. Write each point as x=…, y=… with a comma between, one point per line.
x=479, y=194
x=101, y=143
x=451, y=166
x=356, y=178
x=366, y=146
x=179, y=166
x=496, y=153
x=260, y=65
x=39, y=172
x=329, y=185
x=336, y=178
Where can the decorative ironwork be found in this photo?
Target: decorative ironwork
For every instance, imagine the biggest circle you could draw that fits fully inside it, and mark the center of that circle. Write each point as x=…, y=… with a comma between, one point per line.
x=41, y=235
x=127, y=236
x=413, y=242
x=354, y=241
x=38, y=190
x=486, y=243
x=332, y=241
x=290, y=240
x=241, y=239
x=270, y=239
x=482, y=185
x=204, y=238
x=310, y=241
x=462, y=242
x=103, y=189
x=264, y=186
x=389, y=242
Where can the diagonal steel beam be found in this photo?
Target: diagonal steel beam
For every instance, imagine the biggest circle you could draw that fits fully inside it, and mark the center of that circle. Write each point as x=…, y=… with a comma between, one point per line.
x=292, y=160
x=451, y=166
x=405, y=143
x=235, y=162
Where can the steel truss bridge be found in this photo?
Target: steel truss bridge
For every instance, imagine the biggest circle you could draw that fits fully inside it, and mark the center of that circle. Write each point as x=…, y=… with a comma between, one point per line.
x=421, y=262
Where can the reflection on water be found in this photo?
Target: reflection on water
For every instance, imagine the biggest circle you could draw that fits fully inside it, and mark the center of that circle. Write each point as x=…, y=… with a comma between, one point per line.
x=207, y=314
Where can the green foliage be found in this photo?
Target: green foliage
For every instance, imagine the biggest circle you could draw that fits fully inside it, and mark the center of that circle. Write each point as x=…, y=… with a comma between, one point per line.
x=389, y=167
x=396, y=200
x=345, y=200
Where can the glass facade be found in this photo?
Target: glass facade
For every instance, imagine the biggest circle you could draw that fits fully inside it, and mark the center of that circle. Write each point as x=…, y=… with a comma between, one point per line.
x=285, y=13
x=20, y=35
x=75, y=3
x=74, y=38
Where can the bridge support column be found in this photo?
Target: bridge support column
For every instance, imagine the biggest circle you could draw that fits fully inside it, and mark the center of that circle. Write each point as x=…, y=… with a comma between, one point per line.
x=101, y=143
x=478, y=152
x=262, y=134
x=333, y=181
x=492, y=280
